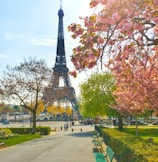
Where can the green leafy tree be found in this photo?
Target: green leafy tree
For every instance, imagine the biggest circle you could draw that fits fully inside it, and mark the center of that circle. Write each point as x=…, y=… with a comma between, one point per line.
x=25, y=83
x=96, y=96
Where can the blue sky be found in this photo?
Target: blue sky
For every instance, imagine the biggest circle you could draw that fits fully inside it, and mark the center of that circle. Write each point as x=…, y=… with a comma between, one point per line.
x=28, y=28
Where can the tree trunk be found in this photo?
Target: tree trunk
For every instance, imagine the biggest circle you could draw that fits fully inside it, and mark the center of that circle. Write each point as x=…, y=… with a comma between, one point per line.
x=120, y=124
x=136, y=126
x=34, y=122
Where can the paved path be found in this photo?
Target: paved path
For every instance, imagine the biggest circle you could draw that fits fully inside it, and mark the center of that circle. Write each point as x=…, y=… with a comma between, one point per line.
x=63, y=146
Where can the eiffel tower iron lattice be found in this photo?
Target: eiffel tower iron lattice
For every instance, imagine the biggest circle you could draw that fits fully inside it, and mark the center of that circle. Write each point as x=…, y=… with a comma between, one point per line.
x=55, y=92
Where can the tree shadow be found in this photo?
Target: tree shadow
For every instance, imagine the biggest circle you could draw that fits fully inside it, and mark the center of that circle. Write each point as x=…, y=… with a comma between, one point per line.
x=80, y=134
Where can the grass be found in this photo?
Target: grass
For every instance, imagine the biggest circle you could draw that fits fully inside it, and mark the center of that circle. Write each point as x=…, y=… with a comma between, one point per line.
x=144, y=132
x=19, y=139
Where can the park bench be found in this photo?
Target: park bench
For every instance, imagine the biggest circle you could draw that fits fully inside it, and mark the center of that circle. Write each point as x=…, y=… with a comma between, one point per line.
x=105, y=157
x=94, y=132
x=98, y=143
x=95, y=135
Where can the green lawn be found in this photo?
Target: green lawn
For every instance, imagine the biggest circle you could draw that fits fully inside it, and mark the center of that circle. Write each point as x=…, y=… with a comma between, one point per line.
x=144, y=132
x=19, y=139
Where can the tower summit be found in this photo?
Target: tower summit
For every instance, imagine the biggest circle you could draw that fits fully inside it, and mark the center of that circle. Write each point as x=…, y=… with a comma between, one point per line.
x=60, y=57
x=59, y=88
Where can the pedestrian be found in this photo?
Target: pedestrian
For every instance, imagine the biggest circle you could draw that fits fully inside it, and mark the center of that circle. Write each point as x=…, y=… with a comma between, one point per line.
x=67, y=126
x=61, y=127
x=64, y=126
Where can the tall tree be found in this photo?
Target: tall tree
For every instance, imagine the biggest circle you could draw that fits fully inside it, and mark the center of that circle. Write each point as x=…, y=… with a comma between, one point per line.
x=122, y=34
x=40, y=107
x=25, y=83
x=52, y=110
x=136, y=83
x=96, y=95
x=68, y=110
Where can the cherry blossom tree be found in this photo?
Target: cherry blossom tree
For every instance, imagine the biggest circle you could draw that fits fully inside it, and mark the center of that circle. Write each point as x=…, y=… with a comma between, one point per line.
x=137, y=82
x=122, y=35
x=115, y=25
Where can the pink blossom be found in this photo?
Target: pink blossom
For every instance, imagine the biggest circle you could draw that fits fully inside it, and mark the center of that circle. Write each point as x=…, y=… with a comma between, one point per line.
x=155, y=19
x=93, y=3
x=137, y=26
x=156, y=29
x=127, y=28
x=73, y=73
x=100, y=40
x=103, y=2
x=116, y=16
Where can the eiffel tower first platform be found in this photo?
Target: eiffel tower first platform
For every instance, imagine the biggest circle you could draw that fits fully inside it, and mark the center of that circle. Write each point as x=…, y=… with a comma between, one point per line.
x=55, y=92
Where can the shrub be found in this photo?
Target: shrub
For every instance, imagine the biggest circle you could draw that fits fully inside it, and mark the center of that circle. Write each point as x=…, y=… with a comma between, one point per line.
x=127, y=147
x=8, y=131
x=44, y=130
x=21, y=130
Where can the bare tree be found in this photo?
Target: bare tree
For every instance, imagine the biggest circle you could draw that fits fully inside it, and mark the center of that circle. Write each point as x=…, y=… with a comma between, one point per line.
x=25, y=84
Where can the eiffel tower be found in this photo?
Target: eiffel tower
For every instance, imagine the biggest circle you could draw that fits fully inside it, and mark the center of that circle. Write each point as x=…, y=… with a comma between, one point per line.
x=59, y=88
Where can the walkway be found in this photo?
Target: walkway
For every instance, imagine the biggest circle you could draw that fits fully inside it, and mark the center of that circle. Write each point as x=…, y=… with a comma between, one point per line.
x=63, y=146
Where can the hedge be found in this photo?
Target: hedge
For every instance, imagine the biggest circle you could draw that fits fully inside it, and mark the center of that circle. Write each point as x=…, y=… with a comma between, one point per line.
x=44, y=130
x=127, y=147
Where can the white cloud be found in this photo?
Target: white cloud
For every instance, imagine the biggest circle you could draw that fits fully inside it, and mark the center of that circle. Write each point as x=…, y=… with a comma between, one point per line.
x=11, y=36
x=3, y=56
x=43, y=41
x=8, y=36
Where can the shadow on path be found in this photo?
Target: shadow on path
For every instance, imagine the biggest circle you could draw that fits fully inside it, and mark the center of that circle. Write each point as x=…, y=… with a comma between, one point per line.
x=80, y=134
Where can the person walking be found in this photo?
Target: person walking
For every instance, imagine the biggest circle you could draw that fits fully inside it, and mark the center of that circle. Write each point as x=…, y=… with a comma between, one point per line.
x=61, y=127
